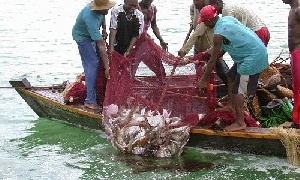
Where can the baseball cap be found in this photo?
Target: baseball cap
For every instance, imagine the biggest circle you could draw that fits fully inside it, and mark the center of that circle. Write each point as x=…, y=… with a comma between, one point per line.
x=206, y=13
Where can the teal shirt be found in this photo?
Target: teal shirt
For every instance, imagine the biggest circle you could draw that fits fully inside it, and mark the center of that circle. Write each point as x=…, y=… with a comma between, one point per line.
x=87, y=25
x=243, y=45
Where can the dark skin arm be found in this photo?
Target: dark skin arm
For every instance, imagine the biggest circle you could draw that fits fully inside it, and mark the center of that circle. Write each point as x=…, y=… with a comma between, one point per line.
x=188, y=34
x=131, y=46
x=216, y=53
x=104, y=33
x=102, y=51
x=112, y=36
x=156, y=32
x=298, y=14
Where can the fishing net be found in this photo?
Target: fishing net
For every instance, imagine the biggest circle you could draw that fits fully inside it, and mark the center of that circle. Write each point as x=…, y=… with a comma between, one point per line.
x=291, y=140
x=151, y=100
x=172, y=88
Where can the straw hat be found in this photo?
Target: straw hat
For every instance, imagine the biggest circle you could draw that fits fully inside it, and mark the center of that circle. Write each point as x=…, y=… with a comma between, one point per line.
x=101, y=4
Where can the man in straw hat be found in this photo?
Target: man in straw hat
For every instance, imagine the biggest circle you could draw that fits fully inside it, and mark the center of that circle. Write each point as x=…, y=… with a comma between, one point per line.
x=91, y=45
x=294, y=48
x=246, y=50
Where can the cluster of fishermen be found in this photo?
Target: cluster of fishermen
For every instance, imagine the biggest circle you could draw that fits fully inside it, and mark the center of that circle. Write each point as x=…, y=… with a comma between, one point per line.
x=239, y=32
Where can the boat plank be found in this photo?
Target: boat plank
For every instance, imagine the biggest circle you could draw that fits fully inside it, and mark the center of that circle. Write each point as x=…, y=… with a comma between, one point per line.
x=248, y=133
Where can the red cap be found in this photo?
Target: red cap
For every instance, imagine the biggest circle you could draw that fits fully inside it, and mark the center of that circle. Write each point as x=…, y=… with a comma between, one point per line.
x=206, y=13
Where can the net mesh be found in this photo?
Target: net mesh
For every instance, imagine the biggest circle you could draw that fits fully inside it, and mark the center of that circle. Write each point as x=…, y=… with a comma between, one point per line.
x=172, y=88
x=291, y=140
x=151, y=101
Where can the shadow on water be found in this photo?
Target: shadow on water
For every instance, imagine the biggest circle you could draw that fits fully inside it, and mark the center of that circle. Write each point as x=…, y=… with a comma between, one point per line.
x=141, y=164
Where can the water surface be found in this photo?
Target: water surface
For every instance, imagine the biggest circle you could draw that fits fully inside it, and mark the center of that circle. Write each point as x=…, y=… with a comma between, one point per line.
x=36, y=44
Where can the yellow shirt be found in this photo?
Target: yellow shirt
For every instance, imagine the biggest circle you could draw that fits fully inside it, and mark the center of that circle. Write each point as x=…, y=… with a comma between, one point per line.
x=201, y=39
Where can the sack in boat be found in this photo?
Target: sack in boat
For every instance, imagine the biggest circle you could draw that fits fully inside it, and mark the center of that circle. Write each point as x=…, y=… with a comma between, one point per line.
x=283, y=92
x=254, y=107
x=267, y=73
x=273, y=81
x=290, y=138
x=265, y=96
x=74, y=94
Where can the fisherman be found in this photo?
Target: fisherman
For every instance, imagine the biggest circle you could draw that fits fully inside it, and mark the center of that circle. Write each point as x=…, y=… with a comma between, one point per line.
x=294, y=48
x=150, y=58
x=202, y=39
x=126, y=25
x=249, y=54
x=91, y=45
x=149, y=10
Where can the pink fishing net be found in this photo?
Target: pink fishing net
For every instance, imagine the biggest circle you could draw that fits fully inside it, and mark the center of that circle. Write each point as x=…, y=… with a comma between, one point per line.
x=171, y=85
x=154, y=79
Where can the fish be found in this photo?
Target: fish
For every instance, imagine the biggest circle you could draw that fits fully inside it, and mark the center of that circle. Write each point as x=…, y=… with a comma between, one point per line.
x=138, y=131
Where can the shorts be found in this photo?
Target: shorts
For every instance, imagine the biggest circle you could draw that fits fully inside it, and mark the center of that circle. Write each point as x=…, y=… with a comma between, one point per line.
x=264, y=34
x=243, y=84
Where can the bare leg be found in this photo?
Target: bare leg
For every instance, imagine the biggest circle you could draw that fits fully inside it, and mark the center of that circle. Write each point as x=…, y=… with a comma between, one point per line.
x=230, y=106
x=239, y=109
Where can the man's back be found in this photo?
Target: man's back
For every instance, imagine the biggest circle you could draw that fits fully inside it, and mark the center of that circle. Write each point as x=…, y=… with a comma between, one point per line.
x=243, y=45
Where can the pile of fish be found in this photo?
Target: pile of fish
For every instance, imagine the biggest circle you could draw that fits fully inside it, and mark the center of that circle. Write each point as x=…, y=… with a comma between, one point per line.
x=146, y=133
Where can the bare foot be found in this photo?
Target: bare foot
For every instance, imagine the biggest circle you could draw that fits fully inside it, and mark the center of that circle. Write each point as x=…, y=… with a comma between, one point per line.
x=235, y=127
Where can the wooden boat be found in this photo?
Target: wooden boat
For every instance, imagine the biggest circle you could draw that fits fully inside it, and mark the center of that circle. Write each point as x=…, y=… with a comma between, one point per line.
x=47, y=102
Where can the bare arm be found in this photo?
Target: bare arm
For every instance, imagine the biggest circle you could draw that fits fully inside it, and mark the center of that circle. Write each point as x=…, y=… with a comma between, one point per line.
x=216, y=53
x=131, y=45
x=199, y=31
x=192, y=14
x=188, y=34
x=103, y=55
x=156, y=31
x=112, y=36
x=104, y=33
x=297, y=14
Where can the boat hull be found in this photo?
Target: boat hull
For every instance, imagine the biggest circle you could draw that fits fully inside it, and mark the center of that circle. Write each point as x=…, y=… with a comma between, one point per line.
x=52, y=109
x=259, y=146
x=261, y=141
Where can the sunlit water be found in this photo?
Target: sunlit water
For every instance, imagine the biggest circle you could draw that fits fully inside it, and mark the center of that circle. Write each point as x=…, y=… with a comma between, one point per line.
x=36, y=44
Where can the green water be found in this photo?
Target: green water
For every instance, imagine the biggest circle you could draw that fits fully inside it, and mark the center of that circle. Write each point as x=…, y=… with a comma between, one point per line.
x=56, y=150
x=36, y=44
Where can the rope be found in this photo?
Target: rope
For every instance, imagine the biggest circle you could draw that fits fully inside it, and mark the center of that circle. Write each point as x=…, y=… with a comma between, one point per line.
x=166, y=86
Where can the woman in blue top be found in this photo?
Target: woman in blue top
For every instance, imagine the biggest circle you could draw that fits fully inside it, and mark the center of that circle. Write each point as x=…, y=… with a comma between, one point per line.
x=91, y=45
x=246, y=50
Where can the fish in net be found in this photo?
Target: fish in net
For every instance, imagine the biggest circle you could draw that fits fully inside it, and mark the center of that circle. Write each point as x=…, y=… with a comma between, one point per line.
x=152, y=102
